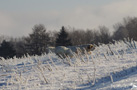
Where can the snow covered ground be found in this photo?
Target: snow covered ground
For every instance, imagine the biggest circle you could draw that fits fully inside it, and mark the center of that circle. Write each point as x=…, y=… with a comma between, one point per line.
x=128, y=82
x=109, y=67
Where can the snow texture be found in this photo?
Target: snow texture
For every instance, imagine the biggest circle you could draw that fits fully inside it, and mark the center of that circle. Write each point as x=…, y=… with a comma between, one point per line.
x=108, y=67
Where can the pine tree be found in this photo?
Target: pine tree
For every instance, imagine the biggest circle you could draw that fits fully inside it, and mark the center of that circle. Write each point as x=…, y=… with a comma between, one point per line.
x=62, y=39
x=38, y=40
x=7, y=50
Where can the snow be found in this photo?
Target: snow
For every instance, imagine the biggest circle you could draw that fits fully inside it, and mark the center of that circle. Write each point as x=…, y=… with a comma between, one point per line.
x=108, y=67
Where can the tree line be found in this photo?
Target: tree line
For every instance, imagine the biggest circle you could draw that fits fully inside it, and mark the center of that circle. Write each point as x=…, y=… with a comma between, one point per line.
x=40, y=38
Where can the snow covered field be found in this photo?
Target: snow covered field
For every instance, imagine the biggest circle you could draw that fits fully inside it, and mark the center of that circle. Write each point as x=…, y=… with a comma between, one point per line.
x=109, y=67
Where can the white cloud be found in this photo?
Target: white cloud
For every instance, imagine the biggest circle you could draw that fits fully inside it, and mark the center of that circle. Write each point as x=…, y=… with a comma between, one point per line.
x=83, y=17
x=108, y=15
x=6, y=23
x=118, y=10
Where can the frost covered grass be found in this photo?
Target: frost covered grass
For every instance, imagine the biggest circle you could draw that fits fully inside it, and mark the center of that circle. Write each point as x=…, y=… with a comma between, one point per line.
x=107, y=63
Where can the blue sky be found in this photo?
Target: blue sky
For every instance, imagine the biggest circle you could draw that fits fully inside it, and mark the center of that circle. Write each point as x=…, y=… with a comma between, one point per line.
x=19, y=16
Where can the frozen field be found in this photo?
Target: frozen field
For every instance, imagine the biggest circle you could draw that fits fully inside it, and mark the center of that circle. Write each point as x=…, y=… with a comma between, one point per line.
x=109, y=67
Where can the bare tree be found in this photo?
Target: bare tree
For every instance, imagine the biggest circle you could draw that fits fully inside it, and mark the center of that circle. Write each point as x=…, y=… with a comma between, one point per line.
x=53, y=36
x=126, y=29
x=104, y=35
x=19, y=45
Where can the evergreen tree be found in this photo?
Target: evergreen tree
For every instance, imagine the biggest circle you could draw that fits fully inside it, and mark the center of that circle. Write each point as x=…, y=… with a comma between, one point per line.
x=37, y=41
x=62, y=39
x=7, y=50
